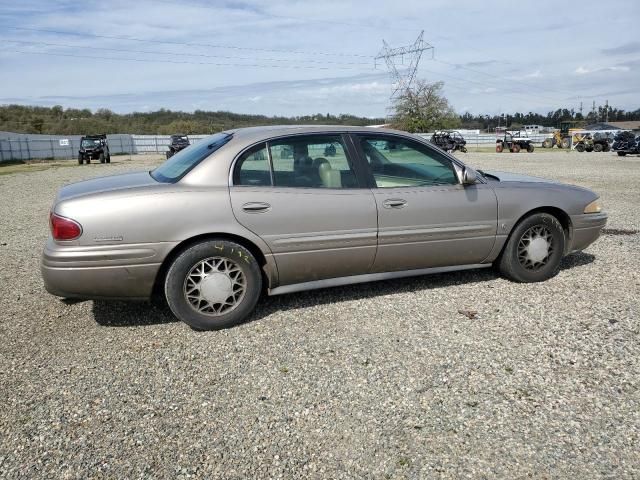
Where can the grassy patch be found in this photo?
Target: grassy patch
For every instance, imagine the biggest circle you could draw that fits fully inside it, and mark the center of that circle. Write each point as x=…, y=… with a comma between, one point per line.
x=9, y=168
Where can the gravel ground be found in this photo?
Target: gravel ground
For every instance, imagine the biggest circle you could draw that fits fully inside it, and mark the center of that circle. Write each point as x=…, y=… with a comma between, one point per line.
x=385, y=380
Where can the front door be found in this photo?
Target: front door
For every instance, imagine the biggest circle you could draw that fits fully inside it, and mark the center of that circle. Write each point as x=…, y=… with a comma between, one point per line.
x=302, y=196
x=426, y=217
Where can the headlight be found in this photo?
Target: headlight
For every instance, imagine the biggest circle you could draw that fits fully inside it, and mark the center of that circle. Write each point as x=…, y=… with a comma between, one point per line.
x=593, y=207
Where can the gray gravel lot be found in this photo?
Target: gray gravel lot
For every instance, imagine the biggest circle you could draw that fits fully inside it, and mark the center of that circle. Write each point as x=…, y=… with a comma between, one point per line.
x=384, y=380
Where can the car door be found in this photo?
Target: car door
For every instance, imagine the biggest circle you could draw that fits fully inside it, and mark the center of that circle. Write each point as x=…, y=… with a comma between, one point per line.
x=426, y=217
x=302, y=195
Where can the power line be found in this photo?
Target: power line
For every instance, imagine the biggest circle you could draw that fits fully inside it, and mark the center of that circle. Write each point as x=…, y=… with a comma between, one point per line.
x=230, y=57
x=141, y=60
x=526, y=84
x=189, y=44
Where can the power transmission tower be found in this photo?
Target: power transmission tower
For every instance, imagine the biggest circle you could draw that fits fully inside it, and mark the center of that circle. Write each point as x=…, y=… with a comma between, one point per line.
x=403, y=74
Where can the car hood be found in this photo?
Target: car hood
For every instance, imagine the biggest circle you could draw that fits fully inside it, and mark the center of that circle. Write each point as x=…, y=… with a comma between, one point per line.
x=106, y=184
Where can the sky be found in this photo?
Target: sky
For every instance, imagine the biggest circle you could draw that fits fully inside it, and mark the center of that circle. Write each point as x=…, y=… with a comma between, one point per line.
x=297, y=58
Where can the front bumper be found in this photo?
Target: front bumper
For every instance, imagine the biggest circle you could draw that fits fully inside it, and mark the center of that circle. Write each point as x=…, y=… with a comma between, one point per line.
x=586, y=229
x=103, y=271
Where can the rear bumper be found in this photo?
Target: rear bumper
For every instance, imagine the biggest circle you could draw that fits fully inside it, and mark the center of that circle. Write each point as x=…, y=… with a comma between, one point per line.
x=105, y=271
x=586, y=229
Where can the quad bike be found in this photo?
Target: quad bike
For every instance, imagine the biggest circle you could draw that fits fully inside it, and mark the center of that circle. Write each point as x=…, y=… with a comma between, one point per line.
x=449, y=141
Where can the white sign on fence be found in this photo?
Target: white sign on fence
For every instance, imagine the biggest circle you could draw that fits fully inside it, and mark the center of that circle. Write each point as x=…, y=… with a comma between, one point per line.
x=64, y=142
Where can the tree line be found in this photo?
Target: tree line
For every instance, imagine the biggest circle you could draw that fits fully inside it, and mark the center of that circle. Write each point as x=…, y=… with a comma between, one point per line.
x=60, y=121
x=421, y=109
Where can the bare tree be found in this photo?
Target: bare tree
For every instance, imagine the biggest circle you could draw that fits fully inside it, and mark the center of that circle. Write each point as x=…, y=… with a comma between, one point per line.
x=423, y=108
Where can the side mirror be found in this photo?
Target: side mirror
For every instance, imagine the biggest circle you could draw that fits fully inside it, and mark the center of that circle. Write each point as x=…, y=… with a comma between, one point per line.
x=469, y=176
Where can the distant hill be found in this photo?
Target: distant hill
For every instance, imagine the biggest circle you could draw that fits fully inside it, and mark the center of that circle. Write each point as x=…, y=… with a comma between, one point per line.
x=57, y=120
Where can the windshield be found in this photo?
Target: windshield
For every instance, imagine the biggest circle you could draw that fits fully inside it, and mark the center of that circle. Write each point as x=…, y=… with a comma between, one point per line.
x=179, y=165
x=88, y=142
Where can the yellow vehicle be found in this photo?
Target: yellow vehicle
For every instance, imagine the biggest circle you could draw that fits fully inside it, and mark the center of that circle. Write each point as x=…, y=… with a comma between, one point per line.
x=562, y=137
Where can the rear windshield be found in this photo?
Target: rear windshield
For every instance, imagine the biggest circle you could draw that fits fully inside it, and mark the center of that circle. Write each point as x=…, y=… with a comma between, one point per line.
x=177, y=166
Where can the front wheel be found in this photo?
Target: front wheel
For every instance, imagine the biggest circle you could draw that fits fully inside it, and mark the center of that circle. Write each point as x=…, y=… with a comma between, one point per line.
x=515, y=148
x=580, y=148
x=622, y=154
x=499, y=147
x=598, y=147
x=548, y=143
x=530, y=148
x=534, y=249
x=79, y=159
x=213, y=284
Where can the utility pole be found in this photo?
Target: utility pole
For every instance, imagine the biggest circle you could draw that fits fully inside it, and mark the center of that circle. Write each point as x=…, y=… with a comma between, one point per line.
x=581, y=109
x=606, y=109
x=402, y=78
x=593, y=111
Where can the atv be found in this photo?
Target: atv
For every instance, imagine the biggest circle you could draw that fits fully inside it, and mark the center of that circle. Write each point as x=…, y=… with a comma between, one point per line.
x=177, y=143
x=513, y=142
x=449, y=141
x=94, y=147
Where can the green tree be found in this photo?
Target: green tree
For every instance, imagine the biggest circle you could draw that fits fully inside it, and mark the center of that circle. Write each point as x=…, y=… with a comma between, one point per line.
x=424, y=108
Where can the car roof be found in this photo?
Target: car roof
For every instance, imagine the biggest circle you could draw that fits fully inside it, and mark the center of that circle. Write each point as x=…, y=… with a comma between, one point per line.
x=255, y=134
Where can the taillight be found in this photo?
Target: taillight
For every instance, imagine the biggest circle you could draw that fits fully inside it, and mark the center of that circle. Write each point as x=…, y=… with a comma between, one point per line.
x=64, y=228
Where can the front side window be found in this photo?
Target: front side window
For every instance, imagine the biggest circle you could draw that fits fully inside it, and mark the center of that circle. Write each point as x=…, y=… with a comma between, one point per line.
x=177, y=166
x=318, y=161
x=398, y=162
x=252, y=168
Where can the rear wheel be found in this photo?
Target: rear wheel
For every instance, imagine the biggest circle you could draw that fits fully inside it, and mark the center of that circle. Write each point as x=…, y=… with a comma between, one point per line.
x=530, y=148
x=534, y=249
x=598, y=147
x=580, y=147
x=566, y=142
x=101, y=158
x=548, y=143
x=79, y=159
x=622, y=154
x=515, y=148
x=213, y=284
x=499, y=147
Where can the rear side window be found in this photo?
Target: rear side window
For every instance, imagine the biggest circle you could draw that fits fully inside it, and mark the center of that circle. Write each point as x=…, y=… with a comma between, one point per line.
x=252, y=168
x=317, y=161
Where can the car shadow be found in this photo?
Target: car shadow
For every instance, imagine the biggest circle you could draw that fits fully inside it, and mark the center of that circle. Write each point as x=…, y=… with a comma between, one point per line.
x=157, y=312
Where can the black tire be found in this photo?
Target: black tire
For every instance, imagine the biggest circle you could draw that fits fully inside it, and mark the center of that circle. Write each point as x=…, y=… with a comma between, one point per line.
x=598, y=147
x=168, y=155
x=176, y=283
x=79, y=159
x=530, y=148
x=499, y=147
x=565, y=143
x=87, y=160
x=514, y=266
x=547, y=143
x=463, y=149
x=580, y=147
x=108, y=159
x=101, y=158
x=515, y=148
x=622, y=154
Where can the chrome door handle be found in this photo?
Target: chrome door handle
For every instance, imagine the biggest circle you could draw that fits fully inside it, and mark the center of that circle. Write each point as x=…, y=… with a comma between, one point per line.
x=394, y=203
x=256, y=207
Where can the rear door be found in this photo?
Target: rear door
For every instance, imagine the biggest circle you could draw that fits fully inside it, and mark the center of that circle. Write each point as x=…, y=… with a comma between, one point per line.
x=302, y=195
x=426, y=217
